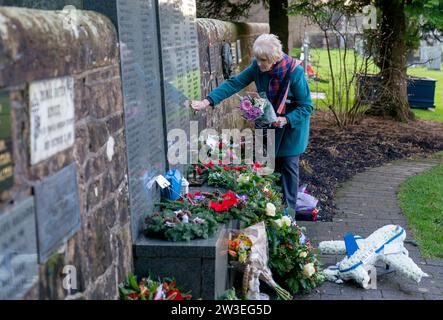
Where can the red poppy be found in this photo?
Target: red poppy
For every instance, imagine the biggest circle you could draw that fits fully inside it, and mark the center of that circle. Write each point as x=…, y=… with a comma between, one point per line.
x=210, y=164
x=229, y=200
x=192, y=195
x=134, y=296
x=199, y=170
x=226, y=168
x=257, y=165
x=174, y=294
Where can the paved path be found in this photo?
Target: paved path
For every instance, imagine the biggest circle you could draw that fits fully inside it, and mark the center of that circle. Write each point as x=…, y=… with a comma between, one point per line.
x=364, y=204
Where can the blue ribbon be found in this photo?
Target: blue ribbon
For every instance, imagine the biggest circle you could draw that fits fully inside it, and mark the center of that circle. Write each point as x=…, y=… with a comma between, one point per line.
x=376, y=251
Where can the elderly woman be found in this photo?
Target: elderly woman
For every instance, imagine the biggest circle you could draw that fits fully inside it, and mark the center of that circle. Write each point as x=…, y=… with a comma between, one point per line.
x=286, y=88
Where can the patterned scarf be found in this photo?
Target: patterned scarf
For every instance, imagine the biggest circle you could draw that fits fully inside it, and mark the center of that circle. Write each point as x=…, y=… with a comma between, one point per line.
x=277, y=74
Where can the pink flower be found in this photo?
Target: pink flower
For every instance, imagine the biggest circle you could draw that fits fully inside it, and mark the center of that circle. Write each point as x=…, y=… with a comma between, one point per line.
x=246, y=104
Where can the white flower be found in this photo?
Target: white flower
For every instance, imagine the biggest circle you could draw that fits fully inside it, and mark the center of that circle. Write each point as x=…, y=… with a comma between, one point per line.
x=270, y=209
x=286, y=221
x=303, y=254
x=242, y=179
x=279, y=222
x=308, y=270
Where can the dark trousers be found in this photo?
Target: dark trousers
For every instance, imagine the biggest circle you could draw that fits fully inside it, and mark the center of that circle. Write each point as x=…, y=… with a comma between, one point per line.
x=288, y=167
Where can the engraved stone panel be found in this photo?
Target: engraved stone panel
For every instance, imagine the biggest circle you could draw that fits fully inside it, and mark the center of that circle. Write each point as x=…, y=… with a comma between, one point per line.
x=18, y=250
x=137, y=26
x=57, y=210
x=180, y=56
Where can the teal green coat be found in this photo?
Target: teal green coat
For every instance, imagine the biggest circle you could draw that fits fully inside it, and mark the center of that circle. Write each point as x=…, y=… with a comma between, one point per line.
x=294, y=137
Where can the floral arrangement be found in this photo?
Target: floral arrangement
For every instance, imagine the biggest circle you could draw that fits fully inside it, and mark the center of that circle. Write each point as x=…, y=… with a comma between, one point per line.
x=221, y=207
x=239, y=247
x=252, y=108
x=385, y=244
x=257, y=109
x=256, y=265
x=292, y=257
x=148, y=289
x=180, y=225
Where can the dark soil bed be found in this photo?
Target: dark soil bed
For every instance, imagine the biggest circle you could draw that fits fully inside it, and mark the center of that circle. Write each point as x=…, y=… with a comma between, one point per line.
x=334, y=155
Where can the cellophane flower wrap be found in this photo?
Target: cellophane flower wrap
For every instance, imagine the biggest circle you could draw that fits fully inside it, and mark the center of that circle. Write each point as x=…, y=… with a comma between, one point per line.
x=258, y=110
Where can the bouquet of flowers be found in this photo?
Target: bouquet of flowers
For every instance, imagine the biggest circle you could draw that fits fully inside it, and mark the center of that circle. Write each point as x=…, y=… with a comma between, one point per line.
x=292, y=257
x=251, y=247
x=258, y=110
x=239, y=247
x=148, y=289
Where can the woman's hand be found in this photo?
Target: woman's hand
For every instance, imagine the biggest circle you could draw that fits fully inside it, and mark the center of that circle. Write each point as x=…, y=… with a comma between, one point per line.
x=200, y=105
x=281, y=122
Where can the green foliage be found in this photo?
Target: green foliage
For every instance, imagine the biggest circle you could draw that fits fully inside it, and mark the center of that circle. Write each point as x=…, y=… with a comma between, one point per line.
x=166, y=225
x=421, y=201
x=149, y=289
x=289, y=257
x=224, y=9
x=284, y=242
x=229, y=295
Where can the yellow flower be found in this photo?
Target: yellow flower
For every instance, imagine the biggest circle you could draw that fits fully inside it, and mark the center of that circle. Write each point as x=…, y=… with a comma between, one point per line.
x=242, y=257
x=270, y=209
x=303, y=254
x=308, y=270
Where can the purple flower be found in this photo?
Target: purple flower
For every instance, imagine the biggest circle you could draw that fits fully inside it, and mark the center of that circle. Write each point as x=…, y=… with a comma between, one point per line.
x=249, y=110
x=242, y=197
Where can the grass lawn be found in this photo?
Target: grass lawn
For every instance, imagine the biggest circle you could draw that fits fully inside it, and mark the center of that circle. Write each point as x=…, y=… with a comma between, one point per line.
x=319, y=58
x=421, y=199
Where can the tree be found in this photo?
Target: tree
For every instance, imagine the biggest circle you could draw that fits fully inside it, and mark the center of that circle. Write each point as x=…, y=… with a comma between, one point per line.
x=392, y=99
x=402, y=24
x=279, y=21
x=224, y=9
x=233, y=10
x=344, y=63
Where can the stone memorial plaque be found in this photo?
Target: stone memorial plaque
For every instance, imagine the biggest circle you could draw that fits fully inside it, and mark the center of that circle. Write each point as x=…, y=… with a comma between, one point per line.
x=150, y=78
x=18, y=251
x=52, y=117
x=6, y=163
x=136, y=21
x=57, y=210
x=180, y=55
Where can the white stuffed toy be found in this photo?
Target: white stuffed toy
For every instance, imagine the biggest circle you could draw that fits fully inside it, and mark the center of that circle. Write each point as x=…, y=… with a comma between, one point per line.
x=385, y=244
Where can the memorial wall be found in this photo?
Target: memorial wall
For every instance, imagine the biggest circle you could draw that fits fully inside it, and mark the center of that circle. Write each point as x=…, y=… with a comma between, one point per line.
x=64, y=218
x=85, y=110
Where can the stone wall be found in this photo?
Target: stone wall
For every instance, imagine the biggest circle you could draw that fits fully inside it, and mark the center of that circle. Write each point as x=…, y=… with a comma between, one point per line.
x=211, y=36
x=43, y=45
x=36, y=45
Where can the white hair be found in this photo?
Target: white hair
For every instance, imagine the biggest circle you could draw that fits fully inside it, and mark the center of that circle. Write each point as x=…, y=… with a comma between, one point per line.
x=268, y=46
